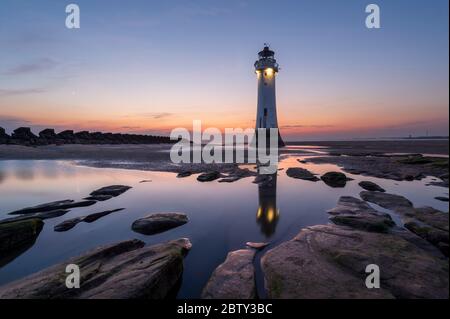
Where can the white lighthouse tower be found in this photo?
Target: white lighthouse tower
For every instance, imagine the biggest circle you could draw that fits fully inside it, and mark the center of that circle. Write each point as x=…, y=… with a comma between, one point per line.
x=266, y=68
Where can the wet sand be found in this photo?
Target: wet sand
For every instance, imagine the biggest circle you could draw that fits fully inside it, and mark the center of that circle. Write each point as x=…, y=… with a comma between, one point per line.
x=159, y=152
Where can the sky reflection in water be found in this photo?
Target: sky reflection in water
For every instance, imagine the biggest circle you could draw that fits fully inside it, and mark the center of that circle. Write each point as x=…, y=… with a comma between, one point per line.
x=222, y=216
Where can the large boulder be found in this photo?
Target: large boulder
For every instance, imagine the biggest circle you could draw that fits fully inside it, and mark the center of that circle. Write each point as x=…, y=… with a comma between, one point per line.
x=66, y=135
x=335, y=179
x=329, y=261
x=208, y=176
x=48, y=134
x=386, y=200
x=357, y=214
x=426, y=222
x=234, y=278
x=126, y=270
x=301, y=173
x=159, y=222
x=23, y=133
x=113, y=191
x=3, y=133
x=3, y=136
x=16, y=237
x=371, y=186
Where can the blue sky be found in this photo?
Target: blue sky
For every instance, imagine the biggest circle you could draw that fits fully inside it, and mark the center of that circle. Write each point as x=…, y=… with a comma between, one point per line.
x=148, y=66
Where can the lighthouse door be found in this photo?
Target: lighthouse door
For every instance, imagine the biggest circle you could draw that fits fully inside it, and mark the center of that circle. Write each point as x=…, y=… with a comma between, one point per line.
x=265, y=118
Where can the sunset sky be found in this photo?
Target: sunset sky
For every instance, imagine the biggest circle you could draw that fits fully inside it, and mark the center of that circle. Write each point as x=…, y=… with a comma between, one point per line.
x=150, y=66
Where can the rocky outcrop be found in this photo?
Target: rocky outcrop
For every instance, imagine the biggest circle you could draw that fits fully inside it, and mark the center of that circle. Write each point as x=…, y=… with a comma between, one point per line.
x=71, y=223
x=257, y=246
x=371, y=186
x=4, y=138
x=48, y=134
x=23, y=133
x=426, y=222
x=159, y=222
x=208, y=176
x=357, y=214
x=184, y=174
x=301, y=173
x=126, y=270
x=16, y=237
x=234, y=278
x=62, y=204
x=108, y=192
x=335, y=179
x=329, y=261
x=395, y=167
x=24, y=136
x=386, y=200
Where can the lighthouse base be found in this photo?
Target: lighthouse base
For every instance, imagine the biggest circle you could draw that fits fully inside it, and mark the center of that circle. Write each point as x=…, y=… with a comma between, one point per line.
x=267, y=140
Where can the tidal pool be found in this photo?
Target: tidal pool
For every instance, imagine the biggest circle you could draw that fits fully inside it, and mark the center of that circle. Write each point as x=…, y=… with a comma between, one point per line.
x=222, y=216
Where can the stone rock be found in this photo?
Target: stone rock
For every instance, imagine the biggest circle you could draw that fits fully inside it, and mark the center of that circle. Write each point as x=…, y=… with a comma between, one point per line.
x=184, y=174
x=42, y=216
x=365, y=221
x=335, y=179
x=126, y=270
x=66, y=135
x=442, y=198
x=52, y=206
x=426, y=222
x=257, y=246
x=229, y=179
x=301, y=173
x=371, y=186
x=100, y=198
x=47, y=133
x=16, y=237
x=71, y=223
x=23, y=133
x=357, y=214
x=351, y=205
x=208, y=176
x=234, y=278
x=82, y=135
x=113, y=190
x=329, y=261
x=3, y=135
x=159, y=222
x=435, y=236
x=430, y=224
x=385, y=200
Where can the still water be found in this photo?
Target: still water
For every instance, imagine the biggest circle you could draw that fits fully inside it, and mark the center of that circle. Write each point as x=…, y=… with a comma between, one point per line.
x=222, y=216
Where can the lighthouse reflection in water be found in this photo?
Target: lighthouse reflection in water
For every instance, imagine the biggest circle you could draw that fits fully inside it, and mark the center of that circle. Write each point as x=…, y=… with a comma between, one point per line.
x=268, y=214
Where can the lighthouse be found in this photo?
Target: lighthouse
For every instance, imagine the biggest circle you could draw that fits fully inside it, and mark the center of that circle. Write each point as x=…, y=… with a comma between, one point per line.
x=266, y=68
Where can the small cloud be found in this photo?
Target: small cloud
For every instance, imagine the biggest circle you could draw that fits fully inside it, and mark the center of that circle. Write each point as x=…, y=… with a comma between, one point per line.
x=13, y=92
x=294, y=126
x=130, y=127
x=153, y=115
x=39, y=65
